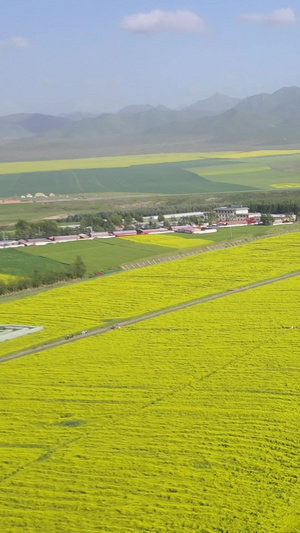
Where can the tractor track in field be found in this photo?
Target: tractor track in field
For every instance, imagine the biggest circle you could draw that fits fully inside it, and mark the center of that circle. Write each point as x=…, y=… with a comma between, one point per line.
x=148, y=316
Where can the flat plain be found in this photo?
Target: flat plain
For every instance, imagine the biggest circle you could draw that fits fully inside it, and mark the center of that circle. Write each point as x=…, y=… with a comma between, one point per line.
x=87, y=305
x=187, y=422
x=14, y=262
x=110, y=254
x=98, y=255
x=154, y=174
x=128, y=161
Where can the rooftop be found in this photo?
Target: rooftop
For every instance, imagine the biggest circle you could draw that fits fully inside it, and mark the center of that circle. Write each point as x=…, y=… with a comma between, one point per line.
x=231, y=208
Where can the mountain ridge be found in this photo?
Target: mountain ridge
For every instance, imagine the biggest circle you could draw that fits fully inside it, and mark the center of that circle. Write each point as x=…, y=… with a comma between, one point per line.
x=258, y=120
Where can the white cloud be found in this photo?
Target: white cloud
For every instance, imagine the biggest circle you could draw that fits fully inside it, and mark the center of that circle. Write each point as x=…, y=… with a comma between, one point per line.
x=279, y=17
x=14, y=42
x=158, y=21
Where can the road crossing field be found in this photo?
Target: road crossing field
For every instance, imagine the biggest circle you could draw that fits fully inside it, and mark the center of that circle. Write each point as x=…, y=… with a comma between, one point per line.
x=189, y=421
x=82, y=306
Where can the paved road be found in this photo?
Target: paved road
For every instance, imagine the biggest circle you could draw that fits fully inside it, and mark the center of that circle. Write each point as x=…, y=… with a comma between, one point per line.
x=147, y=316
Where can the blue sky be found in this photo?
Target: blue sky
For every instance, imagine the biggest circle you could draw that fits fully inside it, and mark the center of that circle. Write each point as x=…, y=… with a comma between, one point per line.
x=94, y=55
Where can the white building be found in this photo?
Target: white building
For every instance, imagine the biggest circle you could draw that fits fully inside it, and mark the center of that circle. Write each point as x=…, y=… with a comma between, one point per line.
x=233, y=212
x=176, y=216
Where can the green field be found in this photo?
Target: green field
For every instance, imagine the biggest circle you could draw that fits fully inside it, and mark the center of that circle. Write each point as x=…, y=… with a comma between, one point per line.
x=166, y=178
x=171, y=174
x=14, y=262
x=110, y=254
x=62, y=207
x=259, y=173
x=129, y=160
x=98, y=255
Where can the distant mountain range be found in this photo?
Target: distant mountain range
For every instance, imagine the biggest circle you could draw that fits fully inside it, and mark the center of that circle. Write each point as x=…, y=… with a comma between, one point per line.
x=214, y=105
x=142, y=108
x=218, y=122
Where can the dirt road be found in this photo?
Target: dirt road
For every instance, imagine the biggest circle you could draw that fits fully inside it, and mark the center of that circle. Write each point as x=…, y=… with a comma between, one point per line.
x=147, y=316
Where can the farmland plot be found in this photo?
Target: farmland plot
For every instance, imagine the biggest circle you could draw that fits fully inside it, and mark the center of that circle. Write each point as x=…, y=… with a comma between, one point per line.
x=153, y=173
x=195, y=428
x=176, y=242
x=129, y=161
x=87, y=305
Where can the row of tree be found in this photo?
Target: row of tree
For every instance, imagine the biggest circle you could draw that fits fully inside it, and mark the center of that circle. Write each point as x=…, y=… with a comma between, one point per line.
x=76, y=270
x=29, y=230
x=104, y=219
x=108, y=220
x=276, y=207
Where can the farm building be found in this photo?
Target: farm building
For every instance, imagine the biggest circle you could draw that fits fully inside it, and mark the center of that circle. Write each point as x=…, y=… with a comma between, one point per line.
x=175, y=216
x=154, y=231
x=233, y=212
x=124, y=233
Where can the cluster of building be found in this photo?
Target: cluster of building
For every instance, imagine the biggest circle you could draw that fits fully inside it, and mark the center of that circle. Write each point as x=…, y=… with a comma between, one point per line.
x=37, y=195
x=238, y=214
x=234, y=215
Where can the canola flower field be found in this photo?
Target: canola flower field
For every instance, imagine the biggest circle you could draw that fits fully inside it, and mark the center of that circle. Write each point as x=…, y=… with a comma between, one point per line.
x=170, y=241
x=130, y=160
x=86, y=305
x=7, y=277
x=183, y=173
x=187, y=422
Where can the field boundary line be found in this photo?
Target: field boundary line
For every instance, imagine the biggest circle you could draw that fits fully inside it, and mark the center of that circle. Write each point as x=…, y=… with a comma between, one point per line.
x=148, y=316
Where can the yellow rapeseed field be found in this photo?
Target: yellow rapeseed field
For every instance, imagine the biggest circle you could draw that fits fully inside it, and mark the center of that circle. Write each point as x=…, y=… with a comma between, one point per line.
x=187, y=422
x=130, y=160
x=286, y=185
x=7, y=277
x=170, y=241
x=89, y=304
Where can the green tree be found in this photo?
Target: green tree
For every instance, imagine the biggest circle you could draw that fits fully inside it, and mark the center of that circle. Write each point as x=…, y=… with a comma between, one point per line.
x=83, y=227
x=127, y=219
x=266, y=219
x=36, y=278
x=49, y=228
x=13, y=285
x=3, y=287
x=211, y=217
x=78, y=268
x=23, y=283
x=23, y=229
x=67, y=230
x=116, y=220
x=138, y=217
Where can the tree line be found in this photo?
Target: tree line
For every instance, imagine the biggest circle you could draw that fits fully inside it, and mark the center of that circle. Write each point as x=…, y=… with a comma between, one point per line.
x=106, y=220
x=276, y=207
x=76, y=270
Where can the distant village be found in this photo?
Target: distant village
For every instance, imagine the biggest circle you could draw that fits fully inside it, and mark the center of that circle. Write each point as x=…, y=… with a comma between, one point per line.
x=198, y=222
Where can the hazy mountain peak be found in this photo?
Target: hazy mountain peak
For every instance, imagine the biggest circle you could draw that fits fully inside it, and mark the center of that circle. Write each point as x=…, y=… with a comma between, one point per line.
x=78, y=115
x=136, y=108
x=264, y=103
x=143, y=108
x=263, y=119
x=214, y=105
x=288, y=90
